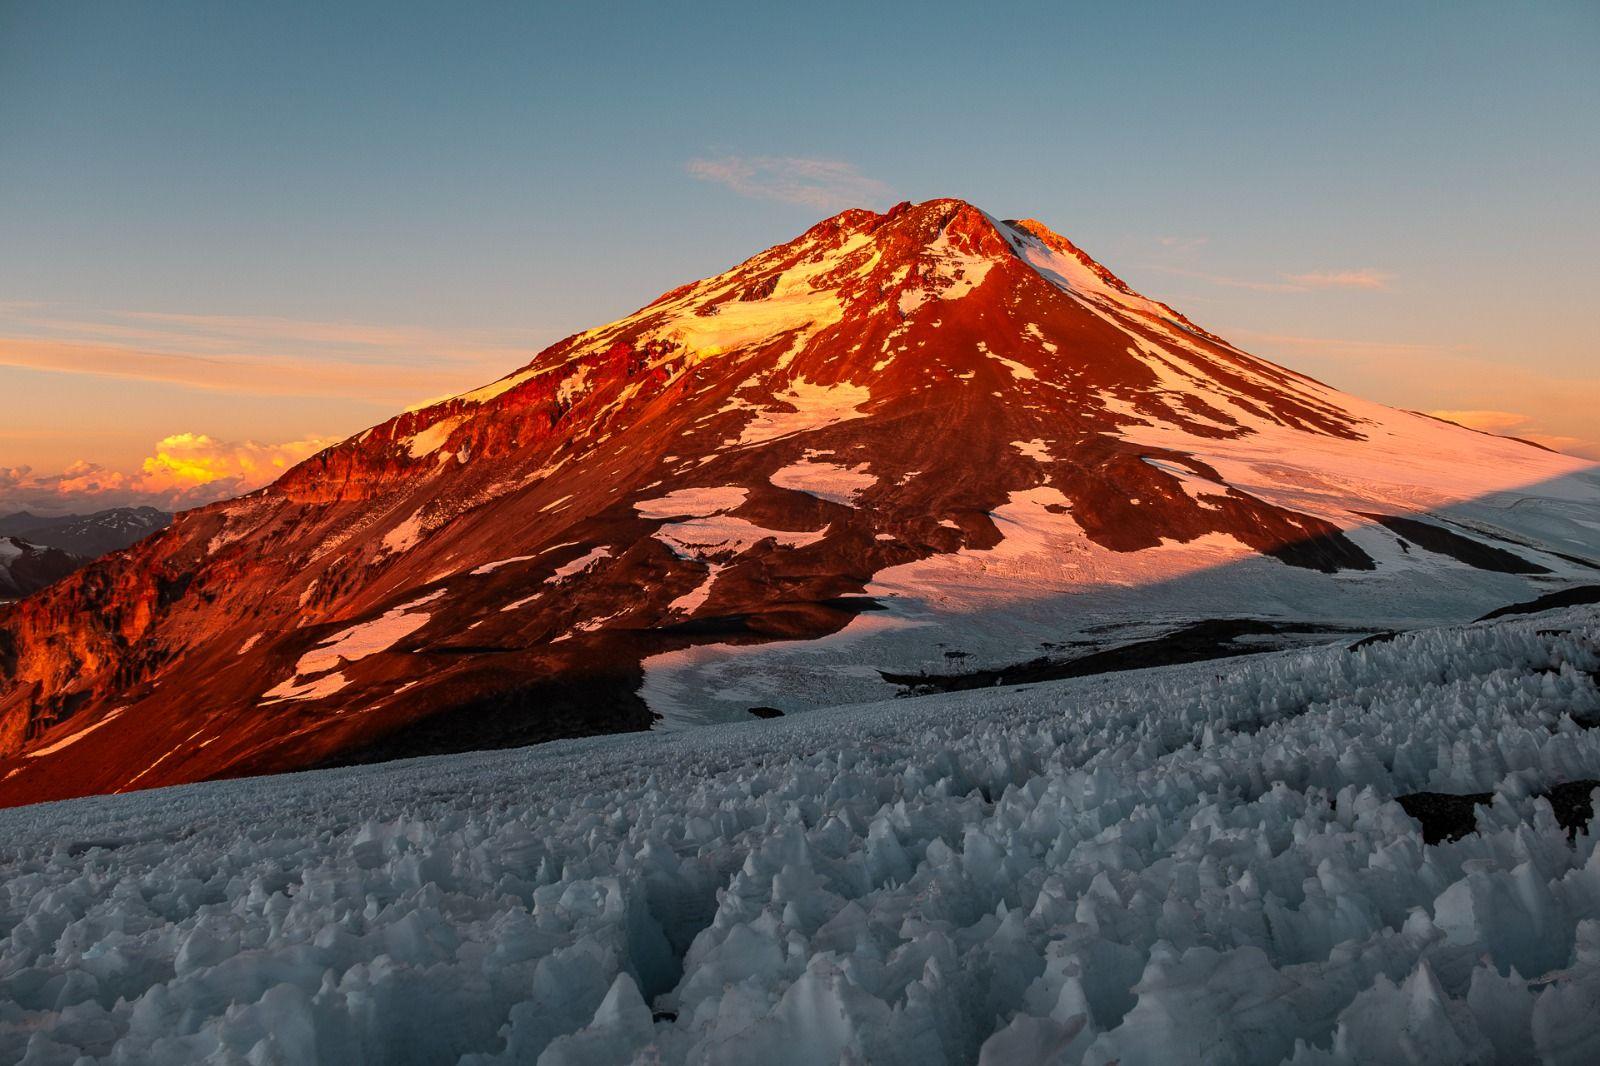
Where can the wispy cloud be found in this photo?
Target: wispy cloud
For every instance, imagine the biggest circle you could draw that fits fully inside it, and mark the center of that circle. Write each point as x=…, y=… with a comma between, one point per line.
x=364, y=366
x=260, y=355
x=275, y=332
x=255, y=375
x=1183, y=244
x=259, y=335
x=1371, y=280
x=183, y=470
x=1229, y=282
x=1345, y=345
x=1343, y=279
x=823, y=184
x=1578, y=446
x=1513, y=424
x=1553, y=410
x=1488, y=421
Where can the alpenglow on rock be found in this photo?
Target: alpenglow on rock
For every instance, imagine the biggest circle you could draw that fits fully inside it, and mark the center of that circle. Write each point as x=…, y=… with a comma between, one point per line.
x=915, y=443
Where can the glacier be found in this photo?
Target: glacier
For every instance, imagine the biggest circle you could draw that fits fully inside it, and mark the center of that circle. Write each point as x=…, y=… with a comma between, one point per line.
x=1201, y=863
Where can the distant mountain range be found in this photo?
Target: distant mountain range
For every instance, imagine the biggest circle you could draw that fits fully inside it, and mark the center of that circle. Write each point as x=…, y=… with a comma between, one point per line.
x=39, y=550
x=88, y=535
x=903, y=452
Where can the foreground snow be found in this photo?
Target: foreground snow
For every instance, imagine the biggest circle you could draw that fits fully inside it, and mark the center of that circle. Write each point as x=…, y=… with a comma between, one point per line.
x=1198, y=863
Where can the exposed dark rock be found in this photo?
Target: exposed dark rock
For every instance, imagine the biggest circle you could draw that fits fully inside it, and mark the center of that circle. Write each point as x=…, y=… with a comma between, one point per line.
x=1210, y=639
x=1444, y=816
x=1450, y=817
x=1442, y=541
x=1576, y=596
x=1572, y=805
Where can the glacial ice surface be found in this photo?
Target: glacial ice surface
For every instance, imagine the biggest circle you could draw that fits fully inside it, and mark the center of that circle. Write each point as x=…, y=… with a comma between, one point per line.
x=1188, y=864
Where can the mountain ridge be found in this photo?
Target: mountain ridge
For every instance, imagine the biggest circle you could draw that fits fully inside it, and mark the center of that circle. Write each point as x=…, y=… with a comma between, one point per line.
x=90, y=535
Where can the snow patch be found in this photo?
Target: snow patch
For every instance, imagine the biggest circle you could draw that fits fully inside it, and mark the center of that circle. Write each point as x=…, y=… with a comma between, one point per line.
x=578, y=565
x=814, y=407
x=431, y=439
x=693, y=502
x=348, y=646
x=1018, y=370
x=691, y=601
x=314, y=688
x=489, y=568
x=722, y=537
x=71, y=739
x=403, y=537
x=826, y=481
x=795, y=305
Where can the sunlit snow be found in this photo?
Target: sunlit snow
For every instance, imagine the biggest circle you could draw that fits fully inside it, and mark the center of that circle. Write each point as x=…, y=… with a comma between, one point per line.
x=350, y=645
x=579, y=565
x=810, y=407
x=824, y=480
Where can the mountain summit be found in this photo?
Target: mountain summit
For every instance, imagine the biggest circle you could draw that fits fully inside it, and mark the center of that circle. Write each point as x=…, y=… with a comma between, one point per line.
x=915, y=449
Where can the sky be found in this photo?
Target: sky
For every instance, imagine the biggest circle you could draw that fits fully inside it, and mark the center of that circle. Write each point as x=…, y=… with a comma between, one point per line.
x=233, y=233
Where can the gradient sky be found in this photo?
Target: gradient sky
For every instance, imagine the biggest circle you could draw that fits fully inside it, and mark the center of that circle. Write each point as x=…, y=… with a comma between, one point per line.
x=230, y=232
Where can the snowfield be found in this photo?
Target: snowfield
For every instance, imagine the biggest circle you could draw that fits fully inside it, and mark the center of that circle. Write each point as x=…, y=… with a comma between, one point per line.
x=1190, y=864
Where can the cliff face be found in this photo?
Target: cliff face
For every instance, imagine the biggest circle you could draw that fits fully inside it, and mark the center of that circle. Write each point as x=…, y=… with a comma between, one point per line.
x=927, y=400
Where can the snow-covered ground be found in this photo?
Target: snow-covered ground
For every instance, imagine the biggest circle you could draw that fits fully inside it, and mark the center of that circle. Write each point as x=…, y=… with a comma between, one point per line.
x=1189, y=864
x=1047, y=582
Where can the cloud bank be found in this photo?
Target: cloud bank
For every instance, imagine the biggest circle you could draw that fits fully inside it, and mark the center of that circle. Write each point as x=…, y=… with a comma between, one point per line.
x=1312, y=281
x=183, y=470
x=1488, y=421
x=1342, y=279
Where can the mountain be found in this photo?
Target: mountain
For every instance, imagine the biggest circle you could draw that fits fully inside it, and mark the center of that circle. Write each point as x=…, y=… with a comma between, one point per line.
x=26, y=567
x=89, y=535
x=905, y=451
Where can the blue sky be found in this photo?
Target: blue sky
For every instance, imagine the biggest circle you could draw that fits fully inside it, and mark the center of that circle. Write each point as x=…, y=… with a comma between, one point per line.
x=278, y=223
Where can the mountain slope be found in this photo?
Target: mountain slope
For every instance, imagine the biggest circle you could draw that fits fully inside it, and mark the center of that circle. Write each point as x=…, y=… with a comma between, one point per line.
x=900, y=443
